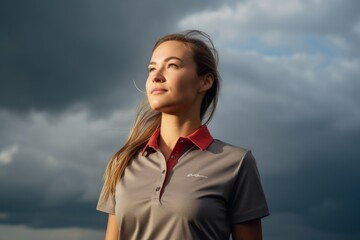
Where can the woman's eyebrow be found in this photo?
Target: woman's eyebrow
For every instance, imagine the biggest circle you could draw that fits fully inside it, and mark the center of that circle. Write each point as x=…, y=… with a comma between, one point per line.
x=168, y=59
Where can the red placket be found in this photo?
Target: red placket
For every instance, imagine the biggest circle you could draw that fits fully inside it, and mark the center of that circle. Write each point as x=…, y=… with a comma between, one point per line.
x=181, y=146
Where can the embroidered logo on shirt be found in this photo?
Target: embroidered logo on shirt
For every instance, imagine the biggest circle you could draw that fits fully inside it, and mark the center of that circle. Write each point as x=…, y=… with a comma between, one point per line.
x=196, y=175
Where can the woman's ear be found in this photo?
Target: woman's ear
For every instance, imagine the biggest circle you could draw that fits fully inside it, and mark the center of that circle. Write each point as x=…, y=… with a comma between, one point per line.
x=206, y=82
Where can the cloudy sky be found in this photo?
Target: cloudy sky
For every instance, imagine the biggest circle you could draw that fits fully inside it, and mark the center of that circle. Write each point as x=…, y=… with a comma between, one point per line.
x=290, y=71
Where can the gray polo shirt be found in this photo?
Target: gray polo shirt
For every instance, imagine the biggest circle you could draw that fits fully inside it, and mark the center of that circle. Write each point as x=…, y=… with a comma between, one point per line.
x=205, y=194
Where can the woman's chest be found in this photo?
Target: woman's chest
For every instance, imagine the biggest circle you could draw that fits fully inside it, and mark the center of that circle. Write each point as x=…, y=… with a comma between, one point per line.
x=197, y=187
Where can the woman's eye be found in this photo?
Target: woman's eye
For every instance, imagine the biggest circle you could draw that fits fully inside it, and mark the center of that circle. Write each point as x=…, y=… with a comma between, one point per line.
x=151, y=69
x=173, y=65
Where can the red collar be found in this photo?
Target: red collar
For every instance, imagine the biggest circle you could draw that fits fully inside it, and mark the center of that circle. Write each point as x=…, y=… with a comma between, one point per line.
x=201, y=138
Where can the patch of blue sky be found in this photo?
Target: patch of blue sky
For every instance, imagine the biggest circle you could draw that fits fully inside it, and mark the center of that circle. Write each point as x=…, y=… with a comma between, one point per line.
x=308, y=44
x=315, y=45
x=255, y=44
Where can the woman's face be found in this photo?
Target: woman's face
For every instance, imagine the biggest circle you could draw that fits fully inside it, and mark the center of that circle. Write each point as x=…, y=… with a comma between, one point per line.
x=173, y=85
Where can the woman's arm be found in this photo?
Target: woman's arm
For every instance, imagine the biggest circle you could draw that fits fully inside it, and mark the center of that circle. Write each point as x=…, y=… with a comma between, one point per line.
x=112, y=230
x=250, y=230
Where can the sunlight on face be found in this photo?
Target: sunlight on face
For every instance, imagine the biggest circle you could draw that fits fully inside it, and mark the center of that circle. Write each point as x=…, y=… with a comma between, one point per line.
x=172, y=84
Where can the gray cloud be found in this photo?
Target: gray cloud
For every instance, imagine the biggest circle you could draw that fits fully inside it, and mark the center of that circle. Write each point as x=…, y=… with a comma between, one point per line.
x=283, y=25
x=58, y=53
x=21, y=232
x=54, y=178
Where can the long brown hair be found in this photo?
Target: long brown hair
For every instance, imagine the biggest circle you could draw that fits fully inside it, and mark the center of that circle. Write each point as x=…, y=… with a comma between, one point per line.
x=148, y=120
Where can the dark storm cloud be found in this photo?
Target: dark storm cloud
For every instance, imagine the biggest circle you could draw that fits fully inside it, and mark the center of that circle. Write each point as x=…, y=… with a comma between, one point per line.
x=57, y=53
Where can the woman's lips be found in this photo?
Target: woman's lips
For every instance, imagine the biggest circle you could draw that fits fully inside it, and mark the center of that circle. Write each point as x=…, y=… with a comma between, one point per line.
x=156, y=91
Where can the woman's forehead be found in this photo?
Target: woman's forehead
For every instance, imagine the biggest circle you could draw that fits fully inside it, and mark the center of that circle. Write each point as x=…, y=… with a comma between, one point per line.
x=172, y=49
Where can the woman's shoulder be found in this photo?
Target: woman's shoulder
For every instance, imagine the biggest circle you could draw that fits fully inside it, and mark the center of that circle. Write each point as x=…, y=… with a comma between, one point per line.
x=219, y=146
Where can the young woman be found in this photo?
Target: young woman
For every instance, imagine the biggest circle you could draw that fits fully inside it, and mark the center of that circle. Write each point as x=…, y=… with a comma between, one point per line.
x=171, y=179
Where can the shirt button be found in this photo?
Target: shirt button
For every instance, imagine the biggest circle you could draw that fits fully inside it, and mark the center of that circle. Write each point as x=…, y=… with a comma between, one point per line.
x=158, y=188
x=172, y=156
x=181, y=141
x=163, y=171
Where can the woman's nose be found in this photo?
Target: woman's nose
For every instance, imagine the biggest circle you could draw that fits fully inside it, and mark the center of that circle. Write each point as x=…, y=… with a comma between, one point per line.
x=158, y=77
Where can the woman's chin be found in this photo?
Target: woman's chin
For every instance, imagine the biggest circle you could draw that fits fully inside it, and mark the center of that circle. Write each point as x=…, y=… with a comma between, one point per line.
x=164, y=109
x=160, y=106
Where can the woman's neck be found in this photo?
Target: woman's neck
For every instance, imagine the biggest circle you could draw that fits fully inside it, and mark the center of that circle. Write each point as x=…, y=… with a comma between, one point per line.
x=172, y=127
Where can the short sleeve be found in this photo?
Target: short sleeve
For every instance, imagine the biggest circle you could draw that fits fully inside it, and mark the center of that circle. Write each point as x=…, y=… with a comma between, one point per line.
x=106, y=205
x=248, y=199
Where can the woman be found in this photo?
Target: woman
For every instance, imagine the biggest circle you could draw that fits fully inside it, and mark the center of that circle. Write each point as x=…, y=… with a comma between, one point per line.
x=171, y=179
